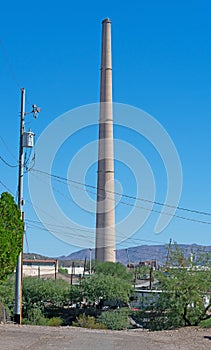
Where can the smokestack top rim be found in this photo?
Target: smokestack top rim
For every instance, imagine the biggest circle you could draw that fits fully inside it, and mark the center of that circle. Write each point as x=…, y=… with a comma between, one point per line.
x=106, y=20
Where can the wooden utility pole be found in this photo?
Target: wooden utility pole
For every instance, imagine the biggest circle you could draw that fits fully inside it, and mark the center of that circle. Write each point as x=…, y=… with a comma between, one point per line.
x=18, y=281
x=28, y=143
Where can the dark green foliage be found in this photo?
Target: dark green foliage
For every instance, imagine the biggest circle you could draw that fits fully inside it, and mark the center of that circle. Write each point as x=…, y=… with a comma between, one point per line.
x=115, y=319
x=11, y=235
x=36, y=317
x=152, y=319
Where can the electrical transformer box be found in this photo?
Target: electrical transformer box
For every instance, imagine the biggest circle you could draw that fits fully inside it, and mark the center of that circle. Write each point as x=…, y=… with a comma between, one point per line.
x=28, y=139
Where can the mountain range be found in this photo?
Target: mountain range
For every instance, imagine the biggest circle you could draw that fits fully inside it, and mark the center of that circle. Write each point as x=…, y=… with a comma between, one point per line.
x=130, y=255
x=136, y=254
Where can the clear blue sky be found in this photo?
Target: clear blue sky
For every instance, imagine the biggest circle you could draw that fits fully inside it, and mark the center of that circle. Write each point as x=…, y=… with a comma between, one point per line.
x=161, y=64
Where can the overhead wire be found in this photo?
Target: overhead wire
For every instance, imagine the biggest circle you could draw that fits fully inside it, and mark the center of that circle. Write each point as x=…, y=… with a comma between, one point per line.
x=72, y=232
x=7, y=148
x=56, y=232
x=60, y=226
x=6, y=187
x=9, y=65
x=134, y=198
x=124, y=195
x=91, y=231
x=27, y=242
x=10, y=68
x=8, y=164
x=58, y=229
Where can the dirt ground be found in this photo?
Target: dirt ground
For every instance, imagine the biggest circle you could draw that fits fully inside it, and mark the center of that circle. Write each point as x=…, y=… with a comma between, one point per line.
x=14, y=337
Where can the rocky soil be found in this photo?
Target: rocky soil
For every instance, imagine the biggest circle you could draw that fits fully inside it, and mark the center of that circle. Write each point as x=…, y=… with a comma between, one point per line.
x=14, y=337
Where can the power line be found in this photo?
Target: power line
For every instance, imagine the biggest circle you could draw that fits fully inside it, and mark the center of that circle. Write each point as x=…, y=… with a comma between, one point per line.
x=72, y=231
x=9, y=65
x=67, y=234
x=5, y=186
x=7, y=148
x=8, y=189
x=61, y=226
x=8, y=164
x=27, y=242
x=125, y=195
x=138, y=199
x=138, y=239
x=59, y=229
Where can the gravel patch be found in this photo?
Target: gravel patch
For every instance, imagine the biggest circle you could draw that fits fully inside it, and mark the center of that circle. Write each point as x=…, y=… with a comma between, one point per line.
x=14, y=337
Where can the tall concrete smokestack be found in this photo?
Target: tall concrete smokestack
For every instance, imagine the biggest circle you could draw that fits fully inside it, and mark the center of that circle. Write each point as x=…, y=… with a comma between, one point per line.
x=105, y=216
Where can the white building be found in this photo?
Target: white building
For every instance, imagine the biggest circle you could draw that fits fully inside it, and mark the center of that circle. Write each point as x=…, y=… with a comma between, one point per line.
x=37, y=268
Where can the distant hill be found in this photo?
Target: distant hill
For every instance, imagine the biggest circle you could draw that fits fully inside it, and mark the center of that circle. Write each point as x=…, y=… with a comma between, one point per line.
x=34, y=256
x=136, y=254
x=79, y=255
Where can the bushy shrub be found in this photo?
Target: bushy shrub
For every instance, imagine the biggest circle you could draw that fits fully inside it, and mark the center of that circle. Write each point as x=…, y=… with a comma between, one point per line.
x=206, y=323
x=45, y=296
x=35, y=317
x=7, y=292
x=40, y=293
x=115, y=319
x=153, y=320
x=62, y=270
x=55, y=322
x=88, y=322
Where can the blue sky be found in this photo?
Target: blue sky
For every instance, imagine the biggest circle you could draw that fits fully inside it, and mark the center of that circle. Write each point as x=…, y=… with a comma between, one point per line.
x=161, y=64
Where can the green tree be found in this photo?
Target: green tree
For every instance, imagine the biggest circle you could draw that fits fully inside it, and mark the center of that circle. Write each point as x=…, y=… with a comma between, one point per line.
x=186, y=286
x=40, y=297
x=39, y=293
x=113, y=269
x=111, y=282
x=106, y=287
x=11, y=234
